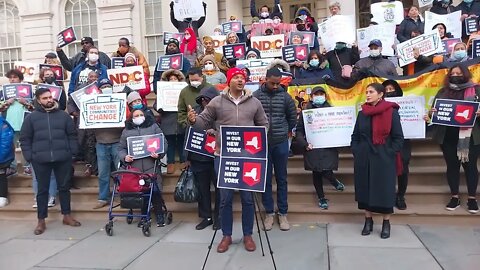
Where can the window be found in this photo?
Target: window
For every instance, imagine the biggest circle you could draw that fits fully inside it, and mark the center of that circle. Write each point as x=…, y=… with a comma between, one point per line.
x=154, y=32
x=10, y=47
x=82, y=15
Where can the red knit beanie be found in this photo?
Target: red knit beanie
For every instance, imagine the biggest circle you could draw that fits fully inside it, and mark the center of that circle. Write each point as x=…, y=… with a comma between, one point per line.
x=234, y=71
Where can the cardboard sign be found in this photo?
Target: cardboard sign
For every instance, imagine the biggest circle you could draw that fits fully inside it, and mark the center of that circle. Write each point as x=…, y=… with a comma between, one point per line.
x=470, y=25
x=55, y=90
x=293, y=53
x=143, y=146
x=90, y=89
x=329, y=127
x=167, y=95
x=103, y=111
x=200, y=142
x=455, y=113
x=384, y=32
x=29, y=70
x=66, y=37
x=133, y=77
x=168, y=35
x=218, y=42
x=257, y=67
x=412, y=110
x=118, y=62
x=448, y=44
x=427, y=44
x=17, y=90
x=232, y=27
x=243, y=158
x=236, y=51
x=173, y=61
x=338, y=28
x=424, y=3
x=188, y=9
x=269, y=46
x=295, y=38
x=475, y=48
x=387, y=12
x=57, y=70
x=451, y=21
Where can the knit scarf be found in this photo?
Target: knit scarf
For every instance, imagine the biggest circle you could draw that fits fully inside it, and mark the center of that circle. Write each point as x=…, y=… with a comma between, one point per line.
x=465, y=133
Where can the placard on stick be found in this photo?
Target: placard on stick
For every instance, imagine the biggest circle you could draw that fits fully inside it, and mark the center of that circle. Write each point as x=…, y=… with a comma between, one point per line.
x=66, y=37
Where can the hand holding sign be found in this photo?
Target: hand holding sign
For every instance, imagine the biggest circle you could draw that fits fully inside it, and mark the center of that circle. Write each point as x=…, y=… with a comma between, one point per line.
x=191, y=114
x=128, y=158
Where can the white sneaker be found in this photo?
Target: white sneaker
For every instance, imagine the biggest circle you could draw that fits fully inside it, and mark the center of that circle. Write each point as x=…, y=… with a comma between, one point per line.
x=3, y=202
x=35, y=205
x=51, y=202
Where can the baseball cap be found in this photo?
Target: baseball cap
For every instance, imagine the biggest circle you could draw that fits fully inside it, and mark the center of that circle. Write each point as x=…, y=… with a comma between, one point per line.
x=375, y=42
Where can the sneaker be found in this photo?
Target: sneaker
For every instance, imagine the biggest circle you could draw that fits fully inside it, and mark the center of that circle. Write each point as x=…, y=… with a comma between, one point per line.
x=472, y=206
x=204, y=223
x=323, y=203
x=453, y=204
x=269, y=222
x=400, y=203
x=10, y=172
x=339, y=186
x=284, y=226
x=51, y=201
x=27, y=170
x=3, y=202
x=160, y=220
x=100, y=204
x=35, y=205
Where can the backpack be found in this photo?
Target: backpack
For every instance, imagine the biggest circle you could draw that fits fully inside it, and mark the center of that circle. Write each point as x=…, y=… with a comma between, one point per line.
x=7, y=149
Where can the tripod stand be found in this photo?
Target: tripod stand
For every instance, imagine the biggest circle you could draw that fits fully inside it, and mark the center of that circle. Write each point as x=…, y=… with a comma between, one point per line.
x=256, y=206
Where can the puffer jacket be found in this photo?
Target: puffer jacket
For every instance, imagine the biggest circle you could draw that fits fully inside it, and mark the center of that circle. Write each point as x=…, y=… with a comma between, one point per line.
x=77, y=59
x=149, y=127
x=48, y=136
x=408, y=26
x=281, y=112
x=7, y=149
x=377, y=65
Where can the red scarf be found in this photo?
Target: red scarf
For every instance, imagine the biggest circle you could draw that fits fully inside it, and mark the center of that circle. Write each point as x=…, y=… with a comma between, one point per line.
x=189, y=46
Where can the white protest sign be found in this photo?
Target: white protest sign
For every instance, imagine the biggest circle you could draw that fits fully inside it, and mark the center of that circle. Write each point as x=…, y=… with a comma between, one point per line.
x=257, y=67
x=338, y=28
x=412, y=110
x=329, y=127
x=103, y=111
x=188, y=9
x=387, y=12
x=384, y=32
x=424, y=3
x=451, y=21
x=132, y=77
x=167, y=95
x=29, y=70
x=269, y=46
x=427, y=44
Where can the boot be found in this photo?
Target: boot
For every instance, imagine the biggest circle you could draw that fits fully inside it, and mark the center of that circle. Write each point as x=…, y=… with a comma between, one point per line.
x=224, y=244
x=70, y=221
x=385, y=229
x=41, y=227
x=368, y=227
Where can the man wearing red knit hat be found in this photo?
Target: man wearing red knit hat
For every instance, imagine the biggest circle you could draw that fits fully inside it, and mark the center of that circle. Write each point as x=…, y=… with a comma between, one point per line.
x=235, y=106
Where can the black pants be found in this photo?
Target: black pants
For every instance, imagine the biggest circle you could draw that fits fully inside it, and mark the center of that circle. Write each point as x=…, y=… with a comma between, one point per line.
x=204, y=179
x=62, y=171
x=3, y=183
x=403, y=180
x=318, y=181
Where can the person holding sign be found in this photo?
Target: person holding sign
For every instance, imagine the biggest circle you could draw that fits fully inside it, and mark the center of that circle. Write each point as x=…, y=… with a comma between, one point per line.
x=124, y=48
x=210, y=50
x=221, y=111
x=232, y=38
x=212, y=72
x=470, y=9
x=80, y=72
x=47, y=76
x=52, y=59
x=315, y=67
x=411, y=26
x=376, y=141
x=189, y=46
x=442, y=7
x=341, y=60
x=460, y=146
x=374, y=63
x=80, y=57
x=459, y=53
x=264, y=12
x=188, y=22
x=130, y=61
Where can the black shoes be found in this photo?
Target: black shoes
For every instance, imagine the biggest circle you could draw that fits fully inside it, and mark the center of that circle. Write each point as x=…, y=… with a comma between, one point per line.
x=385, y=229
x=472, y=206
x=453, y=204
x=216, y=224
x=368, y=227
x=400, y=203
x=204, y=223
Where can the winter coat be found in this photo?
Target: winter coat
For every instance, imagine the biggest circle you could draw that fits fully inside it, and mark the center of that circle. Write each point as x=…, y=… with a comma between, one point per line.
x=281, y=113
x=313, y=72
x=142, y=61
x=187, y=97
x=437, y=7
x=223, y=111
x=347, y=56
x=473, y=9
x=376, y=65
x=408, y=26
x=48, y=136
x=157, y=74
x=182, y=25
x=375, y=174
x=220, y=60
x=149, y=127
x=318, y=159
x=101, y=70
x=79, y=58
x=275, y=12
x=169, y=120
x=7, y=148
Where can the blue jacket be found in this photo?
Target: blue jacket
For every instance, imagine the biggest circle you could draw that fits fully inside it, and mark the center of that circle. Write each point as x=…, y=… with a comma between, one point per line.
x=314, y=73
x=76, y=72
x=7, y=152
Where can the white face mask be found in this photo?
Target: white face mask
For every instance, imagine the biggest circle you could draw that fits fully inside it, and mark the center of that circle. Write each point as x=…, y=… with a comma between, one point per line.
x=277, y=21
x=374, y=53
x=264, y=14
x=93, y=57
x=107, y=90
x=138, y=120
x=209, y=67
x=195, y=84
x=217, y=33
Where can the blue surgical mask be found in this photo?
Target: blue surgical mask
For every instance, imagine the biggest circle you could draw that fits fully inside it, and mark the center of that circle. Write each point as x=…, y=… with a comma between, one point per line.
x=137, y=106
x=318, y=100
x=314, y=62
x=459, y=54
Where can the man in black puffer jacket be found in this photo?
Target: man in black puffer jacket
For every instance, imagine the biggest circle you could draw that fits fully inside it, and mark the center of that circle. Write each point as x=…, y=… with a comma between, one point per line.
x=48, y=140
x=282, y=116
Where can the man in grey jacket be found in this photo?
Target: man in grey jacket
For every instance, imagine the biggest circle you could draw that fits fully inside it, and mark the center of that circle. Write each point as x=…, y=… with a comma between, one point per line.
x=86, y=42
x=375, y=63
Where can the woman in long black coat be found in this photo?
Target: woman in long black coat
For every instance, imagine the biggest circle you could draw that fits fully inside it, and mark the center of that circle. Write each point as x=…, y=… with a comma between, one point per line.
x=376, y=140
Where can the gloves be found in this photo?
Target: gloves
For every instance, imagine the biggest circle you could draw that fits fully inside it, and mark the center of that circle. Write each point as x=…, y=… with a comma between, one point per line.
x=171, y=5
x=204, y=5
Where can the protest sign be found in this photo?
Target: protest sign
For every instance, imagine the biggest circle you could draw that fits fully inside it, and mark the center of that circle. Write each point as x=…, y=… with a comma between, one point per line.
x=235, y=27
x=475, y=48
x=103, y=111
x=329, y=127
x=188, y=9
x=57, y=70
x=143, y=146
x=455, y=113
x=29, y=70
x=90, y=89
x=384, y=32
x=412, y=110
x=470, y=25
x=167, y=95
x=424, y=3
x=258, y=29
x=448, y=44
x=55, y=90
x=218, y=42
x=168, y=35
x=66, y=37
x=243, y=158
x=118, y=62
x=133, y=77
x=252, y=86
x=427, y=45
x=17, y=90
x=387, y=12
x=451, y=21
x=257, y=67
x=301, y=38
x=200, y=142
x=173, y=61
x=293, y=53
x=236, y=51
x=338, y=28
x=269, y=46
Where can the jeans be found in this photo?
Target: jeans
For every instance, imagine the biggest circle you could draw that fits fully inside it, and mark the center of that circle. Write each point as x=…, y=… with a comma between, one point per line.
x=226, y=213
x=175, y=143
x=107, y=159
x=52, y=190
x=277, y=159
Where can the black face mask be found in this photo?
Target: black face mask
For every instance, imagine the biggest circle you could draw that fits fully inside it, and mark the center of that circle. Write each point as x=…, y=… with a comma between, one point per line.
x=457, y=79
x=301, y=27
x=50, y=80
x=391, y=94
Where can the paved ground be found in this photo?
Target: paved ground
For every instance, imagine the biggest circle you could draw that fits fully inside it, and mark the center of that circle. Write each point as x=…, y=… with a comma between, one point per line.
x=178, y=246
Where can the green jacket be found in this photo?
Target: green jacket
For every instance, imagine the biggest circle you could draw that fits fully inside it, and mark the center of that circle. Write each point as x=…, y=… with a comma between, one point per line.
x=187, y=97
